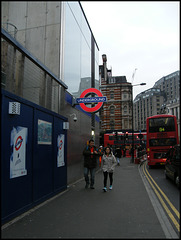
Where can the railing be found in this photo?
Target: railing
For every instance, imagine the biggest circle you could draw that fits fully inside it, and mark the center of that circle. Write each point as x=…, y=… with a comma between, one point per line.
x=10, y=28
x=140, y=156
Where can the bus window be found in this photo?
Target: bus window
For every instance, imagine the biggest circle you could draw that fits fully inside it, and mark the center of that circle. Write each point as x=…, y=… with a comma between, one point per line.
x=162, y=142
x=161, y=125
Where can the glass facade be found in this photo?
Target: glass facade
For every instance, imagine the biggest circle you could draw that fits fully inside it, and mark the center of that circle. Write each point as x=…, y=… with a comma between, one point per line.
x=96, y=64
x=77, y=50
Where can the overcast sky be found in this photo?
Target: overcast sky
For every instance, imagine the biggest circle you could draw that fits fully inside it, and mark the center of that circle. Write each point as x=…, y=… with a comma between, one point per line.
x=137, y=35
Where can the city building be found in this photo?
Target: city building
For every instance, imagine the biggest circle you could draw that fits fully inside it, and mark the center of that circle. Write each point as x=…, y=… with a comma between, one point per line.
x=116, y=114
x=171, y=85
x=59, y=36
x=174, y=109
x=164, y=97
x=47, y=50
x=145, y=104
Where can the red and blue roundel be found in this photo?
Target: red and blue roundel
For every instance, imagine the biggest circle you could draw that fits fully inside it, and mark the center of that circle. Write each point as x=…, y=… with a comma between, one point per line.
x=18, y=143
x=100, y=99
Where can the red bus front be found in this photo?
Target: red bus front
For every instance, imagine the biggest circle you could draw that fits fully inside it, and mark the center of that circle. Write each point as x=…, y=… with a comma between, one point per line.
x=162, y=133
x=109, y=139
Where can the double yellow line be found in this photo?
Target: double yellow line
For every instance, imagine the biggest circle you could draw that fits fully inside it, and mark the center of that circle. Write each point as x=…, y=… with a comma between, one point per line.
x=158, y=192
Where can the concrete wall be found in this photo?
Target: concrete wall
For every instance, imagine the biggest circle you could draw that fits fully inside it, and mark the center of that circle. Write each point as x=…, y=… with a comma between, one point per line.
x=77, y=136
x=38, y=25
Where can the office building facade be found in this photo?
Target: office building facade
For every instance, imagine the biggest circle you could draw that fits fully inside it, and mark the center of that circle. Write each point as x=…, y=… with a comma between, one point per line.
x=145, y=104
x=164, y=97
x=171, y=85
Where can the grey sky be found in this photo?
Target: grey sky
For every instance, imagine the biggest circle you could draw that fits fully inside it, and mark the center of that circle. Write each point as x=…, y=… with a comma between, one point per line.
x=133, y=34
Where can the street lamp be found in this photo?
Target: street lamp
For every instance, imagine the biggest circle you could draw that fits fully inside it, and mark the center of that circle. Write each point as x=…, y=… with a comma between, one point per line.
x=132, y=159
x=104, y=59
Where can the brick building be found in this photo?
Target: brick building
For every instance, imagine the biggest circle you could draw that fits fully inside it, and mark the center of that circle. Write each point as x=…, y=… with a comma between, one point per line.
x=116, y=113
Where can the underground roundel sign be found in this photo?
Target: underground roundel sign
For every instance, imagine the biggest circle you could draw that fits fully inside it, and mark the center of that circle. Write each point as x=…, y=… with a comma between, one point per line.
x=18, y=143
x=83, y=100
x=60, y=144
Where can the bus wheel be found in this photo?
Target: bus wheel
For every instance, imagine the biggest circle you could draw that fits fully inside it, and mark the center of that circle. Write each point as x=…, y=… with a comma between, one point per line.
x=166, y=174
x=177, y=181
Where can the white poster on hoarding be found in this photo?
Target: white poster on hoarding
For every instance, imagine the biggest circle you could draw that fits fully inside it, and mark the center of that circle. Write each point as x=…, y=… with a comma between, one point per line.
x=18, y=156
x=60, y=153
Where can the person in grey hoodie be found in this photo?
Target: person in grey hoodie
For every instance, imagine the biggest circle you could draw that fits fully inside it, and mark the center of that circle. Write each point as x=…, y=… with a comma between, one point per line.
x=108, y=166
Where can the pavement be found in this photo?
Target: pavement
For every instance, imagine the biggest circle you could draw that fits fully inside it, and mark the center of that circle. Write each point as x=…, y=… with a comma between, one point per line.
x=126, y=211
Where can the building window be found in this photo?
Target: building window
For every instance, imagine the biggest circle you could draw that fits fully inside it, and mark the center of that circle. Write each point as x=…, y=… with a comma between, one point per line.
x=125, y=96
x=111, y=95
x=112, y=80
x=112, y=124
x=112, y=109
x=125, y=109
x=125, y=124
x=176, y=112
x=77, y=50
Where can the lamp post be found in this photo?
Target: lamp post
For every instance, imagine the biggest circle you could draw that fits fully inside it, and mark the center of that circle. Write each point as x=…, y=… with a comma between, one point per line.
x=104, y=59
x=132, y=159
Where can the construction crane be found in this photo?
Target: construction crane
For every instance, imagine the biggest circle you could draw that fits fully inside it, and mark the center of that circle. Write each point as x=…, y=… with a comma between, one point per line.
x=133, y=75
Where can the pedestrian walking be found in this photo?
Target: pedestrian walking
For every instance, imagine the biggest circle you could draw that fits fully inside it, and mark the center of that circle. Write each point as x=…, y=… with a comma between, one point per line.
x=90, y=161
x=124, y=151
x=101, y=152
x=118, y=154
x=108, y=167
x=108, y=145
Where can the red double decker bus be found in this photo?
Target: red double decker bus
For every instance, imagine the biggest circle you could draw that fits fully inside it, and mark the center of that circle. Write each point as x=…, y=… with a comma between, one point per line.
x=162, y=133
x=124, y=139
